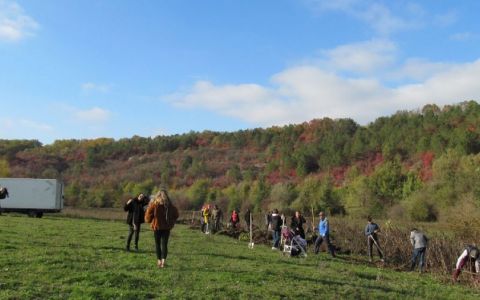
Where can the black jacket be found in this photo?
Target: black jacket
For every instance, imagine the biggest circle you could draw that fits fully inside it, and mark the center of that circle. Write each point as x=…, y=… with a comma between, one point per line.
x=298, y=223
x=136, y=211
x=276, y=222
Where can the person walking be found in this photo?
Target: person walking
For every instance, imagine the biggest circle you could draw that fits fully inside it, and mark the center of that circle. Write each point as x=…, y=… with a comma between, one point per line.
x=276, y=225
x=371, y=231
x=162, y=215
x=135, y=217
x=419, y=242
x=470, y=254
x=324, y=235
x=297, y=224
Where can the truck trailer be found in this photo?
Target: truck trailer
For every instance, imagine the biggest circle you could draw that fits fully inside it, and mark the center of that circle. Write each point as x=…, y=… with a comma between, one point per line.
x=32, y=196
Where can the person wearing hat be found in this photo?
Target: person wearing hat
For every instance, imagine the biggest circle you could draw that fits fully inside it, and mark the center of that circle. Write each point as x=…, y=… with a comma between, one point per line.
x=324, y=235
x=470, y=253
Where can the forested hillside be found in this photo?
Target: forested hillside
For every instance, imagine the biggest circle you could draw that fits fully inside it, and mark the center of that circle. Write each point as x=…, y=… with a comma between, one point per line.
x=414, y=164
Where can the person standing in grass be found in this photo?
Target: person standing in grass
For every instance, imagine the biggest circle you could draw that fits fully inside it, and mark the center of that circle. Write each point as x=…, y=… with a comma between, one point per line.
x=276, y=224
x=297, y=224
x=324, y=235
x=206, y=219
x=371, y=231
x=471, y=254
x=217, y=217
x=162, y=215
x=135, y=217
x=419, y=242
x=234, y=219
x=247, y=218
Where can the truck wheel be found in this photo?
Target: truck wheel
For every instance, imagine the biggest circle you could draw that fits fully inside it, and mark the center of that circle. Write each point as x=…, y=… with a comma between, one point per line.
x=39, y=214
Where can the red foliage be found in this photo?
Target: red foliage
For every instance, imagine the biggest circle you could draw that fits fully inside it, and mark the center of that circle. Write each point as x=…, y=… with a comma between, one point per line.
x=274, y=177
x=368, y=165
x=338, y=175
x=427, y=161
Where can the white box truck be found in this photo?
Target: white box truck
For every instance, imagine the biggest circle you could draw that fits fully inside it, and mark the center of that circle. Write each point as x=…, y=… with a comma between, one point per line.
x=32, y=196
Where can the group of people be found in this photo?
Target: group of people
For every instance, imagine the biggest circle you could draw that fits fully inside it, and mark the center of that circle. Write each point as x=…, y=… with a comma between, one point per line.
x=160, y=213
x=211, y=219
x=275, y=222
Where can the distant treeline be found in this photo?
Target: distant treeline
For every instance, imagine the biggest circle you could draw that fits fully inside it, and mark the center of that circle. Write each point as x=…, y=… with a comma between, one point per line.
x=414, y=164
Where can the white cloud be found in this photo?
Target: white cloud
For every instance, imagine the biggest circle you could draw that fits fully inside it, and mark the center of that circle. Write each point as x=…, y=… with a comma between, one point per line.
x=378, y=16
x=9, y=125
x=419, y=69
x=92, y=116
x=95, y=87
x=363, y=57
x=310, y=91
x=14, y=23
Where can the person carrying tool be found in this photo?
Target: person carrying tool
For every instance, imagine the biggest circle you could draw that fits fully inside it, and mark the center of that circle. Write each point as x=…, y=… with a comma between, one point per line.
x=419, y=242
x=371, y=231
x=470, y=254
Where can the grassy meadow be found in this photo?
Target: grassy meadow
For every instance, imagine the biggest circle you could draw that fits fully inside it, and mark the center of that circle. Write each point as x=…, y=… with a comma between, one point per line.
x=59, y=258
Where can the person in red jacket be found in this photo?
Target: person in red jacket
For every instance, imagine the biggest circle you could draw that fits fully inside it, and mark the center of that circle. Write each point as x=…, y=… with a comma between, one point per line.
x=234, y=219
x=162, y=215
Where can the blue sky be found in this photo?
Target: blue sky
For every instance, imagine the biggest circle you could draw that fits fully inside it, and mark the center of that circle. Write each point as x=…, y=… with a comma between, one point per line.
x=87, y=69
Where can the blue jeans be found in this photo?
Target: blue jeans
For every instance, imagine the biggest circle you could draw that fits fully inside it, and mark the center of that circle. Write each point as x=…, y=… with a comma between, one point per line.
x=420, y=254
x=276, y=238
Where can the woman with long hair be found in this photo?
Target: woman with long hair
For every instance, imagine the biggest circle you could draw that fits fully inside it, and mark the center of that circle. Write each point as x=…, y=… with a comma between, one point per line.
x=162, y=215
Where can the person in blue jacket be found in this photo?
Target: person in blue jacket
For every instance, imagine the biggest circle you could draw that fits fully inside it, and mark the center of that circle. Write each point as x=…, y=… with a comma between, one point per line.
x=324, y=235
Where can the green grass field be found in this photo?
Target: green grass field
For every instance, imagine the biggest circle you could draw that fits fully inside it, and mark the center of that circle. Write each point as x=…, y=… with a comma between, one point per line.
x=59, y=258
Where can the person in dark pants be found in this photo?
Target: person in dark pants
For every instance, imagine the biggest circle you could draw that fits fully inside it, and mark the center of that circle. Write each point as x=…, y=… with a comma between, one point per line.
x=276, y=222
x=324, y=235
x=419, y=242
x=297, y=224
x=135, y=217
x=247, y=218
x=217, y=215
x=162, y=215
x=371, y=231
x=234, y=219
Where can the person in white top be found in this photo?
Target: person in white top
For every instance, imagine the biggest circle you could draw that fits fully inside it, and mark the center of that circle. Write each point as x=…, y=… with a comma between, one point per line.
x=472, y=254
